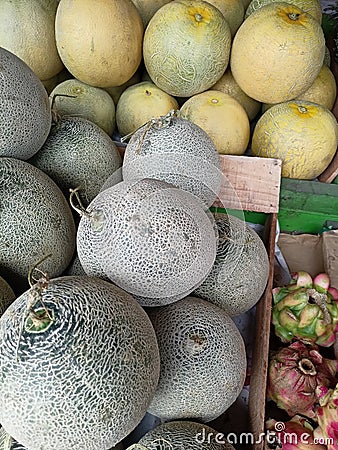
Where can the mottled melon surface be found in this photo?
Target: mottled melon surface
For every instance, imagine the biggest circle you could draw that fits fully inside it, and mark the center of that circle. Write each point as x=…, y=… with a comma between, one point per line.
x=79, y=368
x=241, y=270
x=183, y=435
x=203, y=360
x=177, y=151
x=149, y=238
x=6, y=295
x=35, y=221
x=78, y=153
x=25, y=115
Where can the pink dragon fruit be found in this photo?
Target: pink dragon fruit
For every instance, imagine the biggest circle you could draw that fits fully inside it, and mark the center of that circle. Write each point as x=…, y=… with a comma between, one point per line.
x=327, y=417
x=295, y=434
x=294, y=373
x=306, y=310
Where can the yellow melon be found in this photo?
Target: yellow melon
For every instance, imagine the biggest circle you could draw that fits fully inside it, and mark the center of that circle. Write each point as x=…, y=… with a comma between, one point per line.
x=228, y=85
x=232, y=10
x=99, y=41
x=27, y=30
x=222, y=118
x=186, y=47
x=302, y=134
x=312, y=7
x=277, y=53
x=140, y=103
x=147, y=8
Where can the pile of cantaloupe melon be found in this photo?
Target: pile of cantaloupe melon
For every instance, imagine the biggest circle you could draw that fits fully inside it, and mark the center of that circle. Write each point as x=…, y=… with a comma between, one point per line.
x=118, y=285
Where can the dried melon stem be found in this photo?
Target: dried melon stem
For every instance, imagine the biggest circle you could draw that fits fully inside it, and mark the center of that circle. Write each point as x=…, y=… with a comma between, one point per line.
x=55, y=115
x=96, y=217
x=307, y=367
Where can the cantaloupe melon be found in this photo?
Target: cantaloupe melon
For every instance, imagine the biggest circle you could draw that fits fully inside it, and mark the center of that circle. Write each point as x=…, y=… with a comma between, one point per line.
x=222, y=117
x=149, y=238
x=27, y=30
x=185, y=435
x=99, y=41
x=228, y=85
x=147, y=8
x=302, y=134
x=177, y=151
x=35, y=221
x=74, y=98
x=312, y=7
x=78, y=366
x=6, y=296
x=241, y=269
x=203, y=360
x=285, y=57
x=140, y=103
x=186, y=47
x=232, y=10
x=78, y=153
x=25, y=116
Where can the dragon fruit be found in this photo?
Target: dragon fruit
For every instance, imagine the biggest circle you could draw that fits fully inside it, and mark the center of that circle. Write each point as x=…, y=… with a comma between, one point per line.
x=327, y=417
x=294, y=373
x=295, y=434
x=306, y=310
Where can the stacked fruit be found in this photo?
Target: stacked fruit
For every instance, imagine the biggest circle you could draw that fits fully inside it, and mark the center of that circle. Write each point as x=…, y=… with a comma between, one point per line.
x=301, y=380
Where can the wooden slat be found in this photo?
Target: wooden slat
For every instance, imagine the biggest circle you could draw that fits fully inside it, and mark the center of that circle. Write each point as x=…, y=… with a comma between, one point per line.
x=330, y=172
x=256, y=182
x=260, y=357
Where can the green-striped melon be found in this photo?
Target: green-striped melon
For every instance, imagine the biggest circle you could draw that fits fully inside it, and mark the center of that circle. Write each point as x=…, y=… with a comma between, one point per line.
x=35, y=221
x=241, y=270
x=78, y=366
x=203, y=361
x=78, y=153
x=25, y=115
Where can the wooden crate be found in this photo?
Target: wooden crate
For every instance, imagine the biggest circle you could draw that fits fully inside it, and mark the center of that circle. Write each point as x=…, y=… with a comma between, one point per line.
x=257, y=184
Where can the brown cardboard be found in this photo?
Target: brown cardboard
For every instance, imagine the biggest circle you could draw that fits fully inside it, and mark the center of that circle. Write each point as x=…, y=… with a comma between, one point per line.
x=330, y=255
x=303, y=252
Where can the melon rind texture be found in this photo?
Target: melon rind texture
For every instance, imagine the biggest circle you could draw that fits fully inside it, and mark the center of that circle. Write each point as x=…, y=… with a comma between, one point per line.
x=203, y=361
x=178, y=152
x=85, y=381
x=35, y=221
x=183, y=435
x=78, y=153
x=149, y=238
x=25, y=115
x=241, y=270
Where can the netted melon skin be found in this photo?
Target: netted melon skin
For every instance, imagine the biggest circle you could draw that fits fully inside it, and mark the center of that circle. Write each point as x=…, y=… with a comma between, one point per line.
x=25, y=115
x=184, y=435
x=151, y=239
x=86, y=381
x=203, y=360
x=35, y=221
x=180, y=153
x=78, y=153
x=6, y=296
x=241, y=269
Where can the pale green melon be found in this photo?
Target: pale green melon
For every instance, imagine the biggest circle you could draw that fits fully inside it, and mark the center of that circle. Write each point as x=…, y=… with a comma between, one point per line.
x=185, y=435
x=147, y=8
x=241, y=270
x=27, y=30
x=74, y=98
x=51, y=83
x=177, y=151
x=88, y=362
x=6, y=297
x=186, y=47
x=25, y=116
x=148, y=237
x=35, y=221
x=116, y=91
x=312, y=7
x=78, y=153
x=203, y=361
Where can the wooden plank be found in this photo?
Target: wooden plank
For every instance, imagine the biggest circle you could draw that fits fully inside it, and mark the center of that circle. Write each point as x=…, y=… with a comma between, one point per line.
x=306, y=205
x=250, y=183
x=260, y=357
x=330, y=172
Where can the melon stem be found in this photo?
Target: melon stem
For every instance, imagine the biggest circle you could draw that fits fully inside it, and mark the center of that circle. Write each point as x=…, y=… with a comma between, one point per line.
x=307, y=367
x=294, y=16
x=79, y=208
